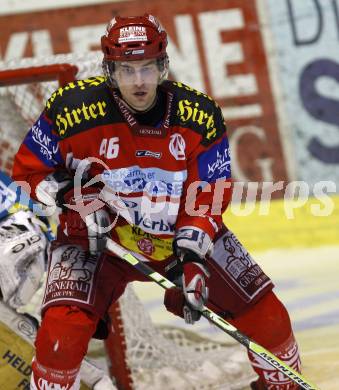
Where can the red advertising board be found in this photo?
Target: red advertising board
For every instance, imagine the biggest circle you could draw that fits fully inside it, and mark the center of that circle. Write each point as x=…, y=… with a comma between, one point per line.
x=217, y=46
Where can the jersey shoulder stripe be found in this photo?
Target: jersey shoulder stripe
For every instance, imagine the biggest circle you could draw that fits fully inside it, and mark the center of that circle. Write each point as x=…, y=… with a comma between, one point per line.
x=82, y=105
x=196, y=111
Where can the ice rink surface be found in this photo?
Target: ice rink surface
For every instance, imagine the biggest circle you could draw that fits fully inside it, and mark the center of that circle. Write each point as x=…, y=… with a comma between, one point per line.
x=301, y=255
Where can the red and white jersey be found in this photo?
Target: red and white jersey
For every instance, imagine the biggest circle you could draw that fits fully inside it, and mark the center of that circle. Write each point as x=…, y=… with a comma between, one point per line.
x=160, y=177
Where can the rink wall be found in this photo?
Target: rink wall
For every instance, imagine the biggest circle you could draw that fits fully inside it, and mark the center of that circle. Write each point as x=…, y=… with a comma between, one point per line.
x=272, y=66
x=285, y=224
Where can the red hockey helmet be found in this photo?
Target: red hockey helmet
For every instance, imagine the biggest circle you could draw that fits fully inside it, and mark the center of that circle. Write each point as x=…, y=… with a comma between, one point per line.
x=134, y=38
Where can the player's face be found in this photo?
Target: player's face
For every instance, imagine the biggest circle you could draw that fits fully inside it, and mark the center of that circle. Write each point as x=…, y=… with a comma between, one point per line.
x=137, y=82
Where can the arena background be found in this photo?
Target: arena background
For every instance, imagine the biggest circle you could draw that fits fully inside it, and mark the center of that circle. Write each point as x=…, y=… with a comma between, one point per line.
x=273, y=67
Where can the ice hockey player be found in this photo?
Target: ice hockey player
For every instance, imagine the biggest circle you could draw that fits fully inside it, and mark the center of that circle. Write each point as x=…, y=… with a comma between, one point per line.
x=154, y=153
x=24, y=241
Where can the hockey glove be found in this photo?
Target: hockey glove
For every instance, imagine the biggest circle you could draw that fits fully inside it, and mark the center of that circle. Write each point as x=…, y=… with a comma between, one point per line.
x=188, y=301
x=85, y=220
x=191, y=245
x=50, y=190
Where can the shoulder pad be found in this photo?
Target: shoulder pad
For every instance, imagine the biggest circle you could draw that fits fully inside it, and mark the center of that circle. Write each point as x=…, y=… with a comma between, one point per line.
x=198, y=112
x=73, y=87
x=81, y=105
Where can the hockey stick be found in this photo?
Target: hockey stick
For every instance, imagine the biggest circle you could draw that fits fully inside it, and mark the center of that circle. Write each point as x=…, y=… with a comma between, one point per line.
x=222, y=324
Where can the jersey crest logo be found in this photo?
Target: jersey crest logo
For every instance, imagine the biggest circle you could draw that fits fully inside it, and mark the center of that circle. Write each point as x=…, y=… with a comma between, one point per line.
x=177, y=146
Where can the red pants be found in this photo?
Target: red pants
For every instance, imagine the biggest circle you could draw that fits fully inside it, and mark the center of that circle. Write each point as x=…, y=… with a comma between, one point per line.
x=94, y=283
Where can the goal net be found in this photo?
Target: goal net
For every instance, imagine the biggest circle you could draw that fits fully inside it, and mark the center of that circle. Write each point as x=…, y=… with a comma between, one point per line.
x=138, y=353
